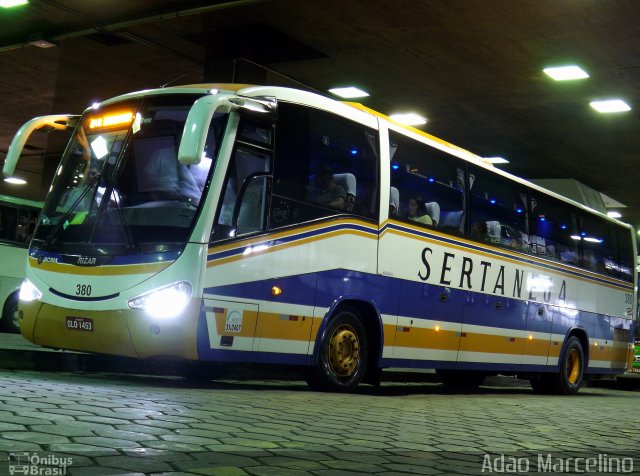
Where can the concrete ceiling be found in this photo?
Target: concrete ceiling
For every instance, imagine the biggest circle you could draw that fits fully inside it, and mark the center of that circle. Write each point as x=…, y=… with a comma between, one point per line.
x=473, y=67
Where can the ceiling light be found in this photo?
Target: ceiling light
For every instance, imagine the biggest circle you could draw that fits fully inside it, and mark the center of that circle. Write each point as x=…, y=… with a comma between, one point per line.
x=409, y=119
x=610, y=105
x=495, y=160
x=42, y=43
x=349, y=92
x=12, y=3
x=15, y=180
x=614, y=214
x=565, y=73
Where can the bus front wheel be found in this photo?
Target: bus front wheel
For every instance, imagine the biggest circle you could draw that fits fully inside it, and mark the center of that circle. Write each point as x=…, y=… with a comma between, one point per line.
x=10, y=315
x=342, y=356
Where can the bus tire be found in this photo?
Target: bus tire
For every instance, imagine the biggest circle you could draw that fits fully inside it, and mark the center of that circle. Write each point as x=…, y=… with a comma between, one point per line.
x=571, y=370
x=342, y=356
x=461, y=379
x=10, y=315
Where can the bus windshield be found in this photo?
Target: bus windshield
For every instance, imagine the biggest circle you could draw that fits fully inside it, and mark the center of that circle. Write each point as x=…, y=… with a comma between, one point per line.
x=119, y=185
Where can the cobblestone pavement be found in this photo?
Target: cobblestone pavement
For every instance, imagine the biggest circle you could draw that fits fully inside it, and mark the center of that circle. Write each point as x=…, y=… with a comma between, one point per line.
x=114, y=424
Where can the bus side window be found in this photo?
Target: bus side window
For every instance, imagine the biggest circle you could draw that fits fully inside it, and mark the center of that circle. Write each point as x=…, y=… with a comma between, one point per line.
x=324, y=165
x=430, y=185
x=554, y=228
x=498, y=210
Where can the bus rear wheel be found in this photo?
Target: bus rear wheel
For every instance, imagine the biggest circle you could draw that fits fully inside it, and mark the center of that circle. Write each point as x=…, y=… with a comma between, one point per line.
x=10, y=315
x=342, y=357
x=571, y=372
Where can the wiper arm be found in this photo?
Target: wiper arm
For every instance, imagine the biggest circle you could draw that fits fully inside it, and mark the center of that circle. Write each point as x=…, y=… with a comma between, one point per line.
x=63, y=220
x=131, y=242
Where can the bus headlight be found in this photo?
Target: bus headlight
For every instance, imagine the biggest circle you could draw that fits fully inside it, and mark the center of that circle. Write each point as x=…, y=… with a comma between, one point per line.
x=29, y=292
x=165, y=302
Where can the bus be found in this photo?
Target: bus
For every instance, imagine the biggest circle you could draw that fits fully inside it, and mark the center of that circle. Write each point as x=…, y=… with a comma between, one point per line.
x=258, y=224
x=17, y=222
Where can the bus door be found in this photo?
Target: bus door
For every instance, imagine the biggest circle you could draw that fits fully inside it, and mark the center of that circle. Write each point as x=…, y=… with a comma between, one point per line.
x=234, y=288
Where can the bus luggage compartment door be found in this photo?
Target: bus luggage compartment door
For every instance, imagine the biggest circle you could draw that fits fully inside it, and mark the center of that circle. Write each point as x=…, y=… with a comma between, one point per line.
x=231, y=325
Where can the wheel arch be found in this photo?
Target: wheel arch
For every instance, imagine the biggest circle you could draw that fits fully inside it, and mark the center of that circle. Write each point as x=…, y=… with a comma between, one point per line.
x=581, y=334
x=371, y=320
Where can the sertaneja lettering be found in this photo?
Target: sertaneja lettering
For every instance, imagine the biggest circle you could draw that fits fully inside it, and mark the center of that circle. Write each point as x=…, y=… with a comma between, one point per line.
x=496, y=279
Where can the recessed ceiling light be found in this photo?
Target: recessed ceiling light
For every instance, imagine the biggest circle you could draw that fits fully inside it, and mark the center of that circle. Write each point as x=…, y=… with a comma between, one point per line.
x=15, y=180
x=409, y=119
x=610, y=105
x=12, y=3
x=495, y=160
x=349, y=92
x=614, y=214
x=565, y=73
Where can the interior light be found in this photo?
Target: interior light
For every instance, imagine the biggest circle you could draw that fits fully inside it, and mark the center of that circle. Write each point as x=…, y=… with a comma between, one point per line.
x=519, y=210
x=565, y=73
x=592, y=240
x=492, y=201
x=409, y=119
x=495, y=160
x=349, y=92
x=12, y=3
x=614, y=214
x=15, y=180
x=576, y=237
x=354, y=151
x=395, y=166
x=431, y=179
x=610, y=105
x=564, y=227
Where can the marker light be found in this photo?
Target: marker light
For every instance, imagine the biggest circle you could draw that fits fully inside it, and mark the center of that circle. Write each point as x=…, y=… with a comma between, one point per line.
x=276, y=291
x=165, y=302
x=437, y=328
x=29, y=292
x=614, y=214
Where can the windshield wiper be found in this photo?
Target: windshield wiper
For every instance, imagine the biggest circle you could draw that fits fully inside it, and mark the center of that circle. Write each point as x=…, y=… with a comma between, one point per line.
x=63, y=220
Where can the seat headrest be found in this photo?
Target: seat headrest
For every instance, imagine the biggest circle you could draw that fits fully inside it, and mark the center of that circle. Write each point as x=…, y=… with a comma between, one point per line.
x=494, y=230
x=394, y=197
x=433, y=209
x=347, y=181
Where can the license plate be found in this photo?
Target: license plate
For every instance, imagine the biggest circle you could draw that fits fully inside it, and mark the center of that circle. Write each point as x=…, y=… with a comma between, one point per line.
x=80, y=323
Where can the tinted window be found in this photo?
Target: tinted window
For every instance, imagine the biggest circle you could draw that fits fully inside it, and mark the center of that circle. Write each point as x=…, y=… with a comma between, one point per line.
x=554, y=229
x=427, y=185
x=599, y=244
x=324, y=165
x=499, y=210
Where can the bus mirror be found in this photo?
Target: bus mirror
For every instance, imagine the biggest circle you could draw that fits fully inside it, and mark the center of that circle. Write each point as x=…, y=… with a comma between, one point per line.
x=266, y=108
x=57, y=122
x=196, y=127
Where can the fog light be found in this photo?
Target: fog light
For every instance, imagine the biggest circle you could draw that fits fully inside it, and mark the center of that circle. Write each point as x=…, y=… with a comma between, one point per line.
x=165, y=302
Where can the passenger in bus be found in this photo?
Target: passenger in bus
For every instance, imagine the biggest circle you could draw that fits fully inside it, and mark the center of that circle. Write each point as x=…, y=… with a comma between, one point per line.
x=325, y=191
x=418, y=212
x=394, y=201
x=171, y=179
x=478, y=231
